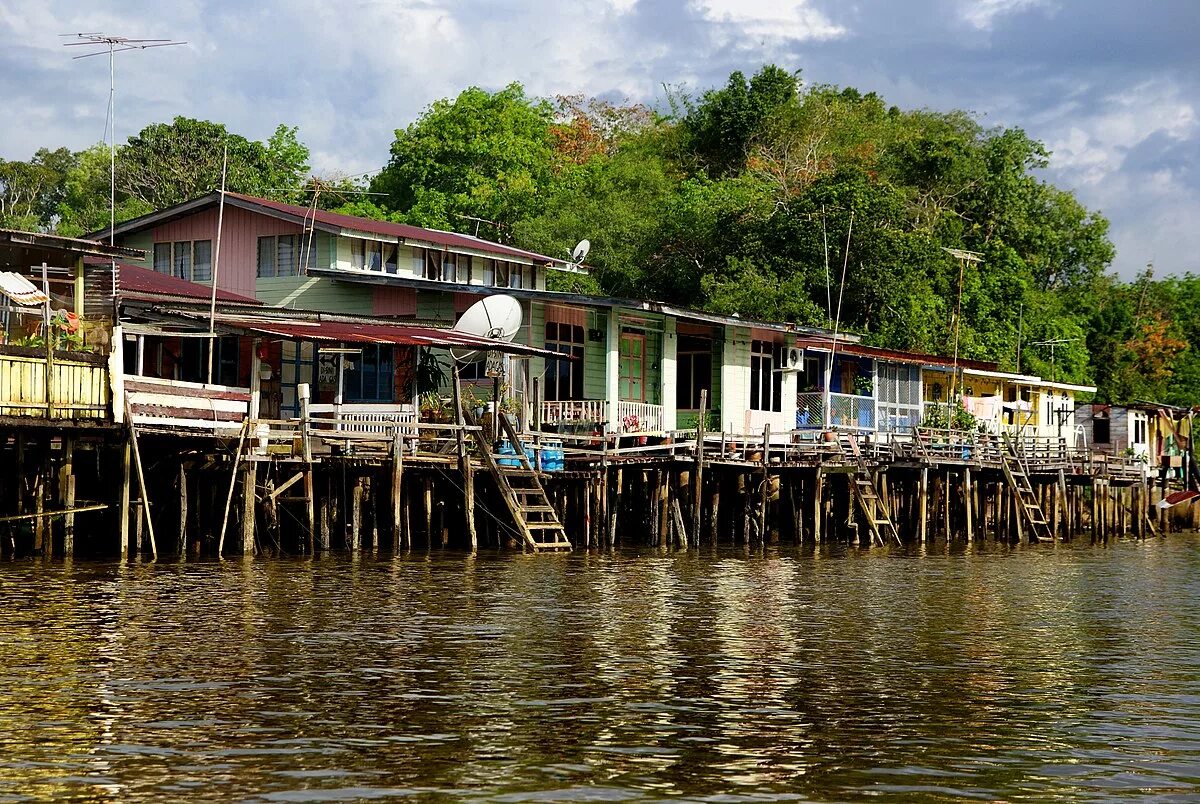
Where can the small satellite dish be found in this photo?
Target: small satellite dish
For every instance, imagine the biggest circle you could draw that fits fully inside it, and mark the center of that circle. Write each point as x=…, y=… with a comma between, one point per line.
x=497, y=317
x=581, y=251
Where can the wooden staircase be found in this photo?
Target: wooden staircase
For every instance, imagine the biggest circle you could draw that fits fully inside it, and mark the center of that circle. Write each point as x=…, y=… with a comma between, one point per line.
x=1016, y=474
x=862, y=483
x=519, y=484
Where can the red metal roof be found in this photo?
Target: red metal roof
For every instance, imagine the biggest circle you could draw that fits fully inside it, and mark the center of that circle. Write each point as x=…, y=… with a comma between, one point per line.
x=367, y=332
x=139, y=281
x=389, y=229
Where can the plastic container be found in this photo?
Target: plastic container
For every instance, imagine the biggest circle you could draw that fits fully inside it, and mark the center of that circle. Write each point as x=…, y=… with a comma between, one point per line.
x=552, y=457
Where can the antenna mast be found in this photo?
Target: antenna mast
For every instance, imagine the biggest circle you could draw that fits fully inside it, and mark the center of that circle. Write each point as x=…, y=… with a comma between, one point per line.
x=112, y=45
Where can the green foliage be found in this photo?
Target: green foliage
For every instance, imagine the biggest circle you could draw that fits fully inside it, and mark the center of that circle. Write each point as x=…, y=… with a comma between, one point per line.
x=169, y=163
x=483, y=155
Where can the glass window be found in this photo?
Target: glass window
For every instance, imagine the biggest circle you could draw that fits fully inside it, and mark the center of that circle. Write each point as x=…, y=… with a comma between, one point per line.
x=374, y=256
x=766, y=384
x=564, y=378
x=266, y=256
x=193, y=360
x=162, y=258
x=183, y=260
x=489, y=273
x=449, y=267
x=202, y=261
x=515, y=276
x=694, y=366
x=369, y=377
x=285, y=256
x=358, y=254
x=390, y=250
x=309, y=249
x=501, y=273
x=433, y=264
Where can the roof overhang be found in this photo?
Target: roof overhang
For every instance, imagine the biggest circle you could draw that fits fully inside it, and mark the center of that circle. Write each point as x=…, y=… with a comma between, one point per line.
x=33, y=243
x=320, y=328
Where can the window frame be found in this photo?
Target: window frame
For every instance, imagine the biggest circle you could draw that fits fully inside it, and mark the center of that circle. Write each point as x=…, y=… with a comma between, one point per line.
x=765, y=380
x=276, y=242
x=624, y=391
x=688, y=352
x=564, y=378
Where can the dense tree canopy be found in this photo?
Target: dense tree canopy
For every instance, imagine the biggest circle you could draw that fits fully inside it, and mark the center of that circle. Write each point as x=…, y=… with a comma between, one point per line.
x=764, y=197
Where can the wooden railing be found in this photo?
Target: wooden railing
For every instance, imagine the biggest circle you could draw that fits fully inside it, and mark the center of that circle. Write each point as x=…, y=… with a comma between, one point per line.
x=649, y=417
x=60, y=385
x=189, y=406
x=574, y=411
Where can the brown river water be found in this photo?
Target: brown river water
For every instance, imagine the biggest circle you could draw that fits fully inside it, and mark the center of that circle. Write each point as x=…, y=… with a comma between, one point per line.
x=995, y=673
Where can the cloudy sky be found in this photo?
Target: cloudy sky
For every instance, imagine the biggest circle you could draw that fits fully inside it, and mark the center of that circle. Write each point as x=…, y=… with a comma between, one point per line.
x=1111, y=86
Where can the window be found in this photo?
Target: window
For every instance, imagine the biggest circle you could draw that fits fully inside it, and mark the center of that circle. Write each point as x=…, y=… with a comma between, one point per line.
x=564, y=378
x=185, y=259
x=391, y=263
x=502, y=272
x=277, y=255
x=1139, y=431
x=449, y=267
x=309, y=251
x=369, y=377
x=367, y=255
x=694, y=365
x=202, y=261
x=1100, y=431
x=433, y=264
x=766, y=384
x=632, y=367
x=515, y=275
x=489, y=272
x=193, y=360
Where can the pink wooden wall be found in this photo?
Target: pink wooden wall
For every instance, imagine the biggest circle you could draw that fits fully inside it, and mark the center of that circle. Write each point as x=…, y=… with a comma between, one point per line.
x=393, y=301
x=239, y=241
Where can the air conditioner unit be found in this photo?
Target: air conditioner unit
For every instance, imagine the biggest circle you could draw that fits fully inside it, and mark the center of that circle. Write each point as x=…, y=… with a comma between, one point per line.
x=794, y=360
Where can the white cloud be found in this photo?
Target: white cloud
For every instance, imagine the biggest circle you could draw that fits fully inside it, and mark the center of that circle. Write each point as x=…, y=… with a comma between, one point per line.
x=770, y=19
x=982, y=14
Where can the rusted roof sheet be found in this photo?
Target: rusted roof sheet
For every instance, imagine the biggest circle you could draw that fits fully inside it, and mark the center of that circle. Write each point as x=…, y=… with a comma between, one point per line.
x=70, y=245
x=145, y=282
x=21, y=290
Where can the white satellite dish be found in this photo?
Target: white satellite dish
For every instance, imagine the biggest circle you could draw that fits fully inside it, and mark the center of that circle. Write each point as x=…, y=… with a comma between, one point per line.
x=581, y=251
x=497, y=317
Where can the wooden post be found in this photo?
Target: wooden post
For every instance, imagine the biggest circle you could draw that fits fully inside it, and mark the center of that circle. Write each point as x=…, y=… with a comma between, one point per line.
x=66, y=489
x=818, y=493
x=967, y=499
x=397, y=478
x=249, y=497
x=137, y=462
x=664, y=494
x=127, y=471
x=428, y=499
x=616, y=507
x=698, y=473
x=181, y=545
x=356, y=500
x=237, y=459
x=464, y=462
x=304, y=392
x=923, y=505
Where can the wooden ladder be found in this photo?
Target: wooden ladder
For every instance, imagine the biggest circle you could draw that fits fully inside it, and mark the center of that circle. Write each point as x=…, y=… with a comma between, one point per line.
x=523, y=493
x=879, y=519
x=1017, y=475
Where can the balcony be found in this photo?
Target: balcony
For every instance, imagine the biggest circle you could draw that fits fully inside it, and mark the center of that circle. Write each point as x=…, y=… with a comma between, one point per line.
x=62, y=385
x=591, y=413
x=378, y=418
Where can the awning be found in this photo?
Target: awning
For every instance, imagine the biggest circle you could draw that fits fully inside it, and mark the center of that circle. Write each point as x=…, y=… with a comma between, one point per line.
x=1176, y=498
x=20, y=289
x=367, y=332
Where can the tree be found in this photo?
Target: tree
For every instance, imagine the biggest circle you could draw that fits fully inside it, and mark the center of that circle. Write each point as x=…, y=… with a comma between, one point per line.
x=167, y=164
x=484, y=159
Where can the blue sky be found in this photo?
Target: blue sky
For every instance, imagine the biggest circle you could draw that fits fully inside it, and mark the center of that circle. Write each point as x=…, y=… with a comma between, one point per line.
x=1111, y=86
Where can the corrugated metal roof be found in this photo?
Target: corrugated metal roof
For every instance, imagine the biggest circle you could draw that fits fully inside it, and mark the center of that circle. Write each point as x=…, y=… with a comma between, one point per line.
x=307, y=327
x=389, y=229
x=68, y=245
x=135, y=280
x=21, y=290
x=894, y=355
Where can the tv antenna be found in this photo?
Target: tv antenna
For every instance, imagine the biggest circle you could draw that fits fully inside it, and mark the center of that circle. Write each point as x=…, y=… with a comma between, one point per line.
x=102, y=43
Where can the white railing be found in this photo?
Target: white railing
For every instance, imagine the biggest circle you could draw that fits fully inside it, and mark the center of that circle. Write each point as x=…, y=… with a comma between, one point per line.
x=575, y=411
x=896, y=418
x=365, y=417
x=649, y=417
x=853, y=412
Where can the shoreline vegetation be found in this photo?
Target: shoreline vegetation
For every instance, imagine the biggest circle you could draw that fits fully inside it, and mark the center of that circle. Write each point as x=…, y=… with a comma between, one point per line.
x=766, y=197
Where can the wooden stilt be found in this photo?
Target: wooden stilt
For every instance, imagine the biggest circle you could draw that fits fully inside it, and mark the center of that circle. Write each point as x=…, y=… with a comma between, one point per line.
x=249, y=498
x=181, y=543
x=137, y=462
x=397, y=479
x=356, y=502
x=968, y=500
x=233, y=473
x=127, y=472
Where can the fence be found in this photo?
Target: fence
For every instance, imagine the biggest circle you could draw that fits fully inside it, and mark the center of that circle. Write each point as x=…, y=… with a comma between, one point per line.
x=65, y=385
